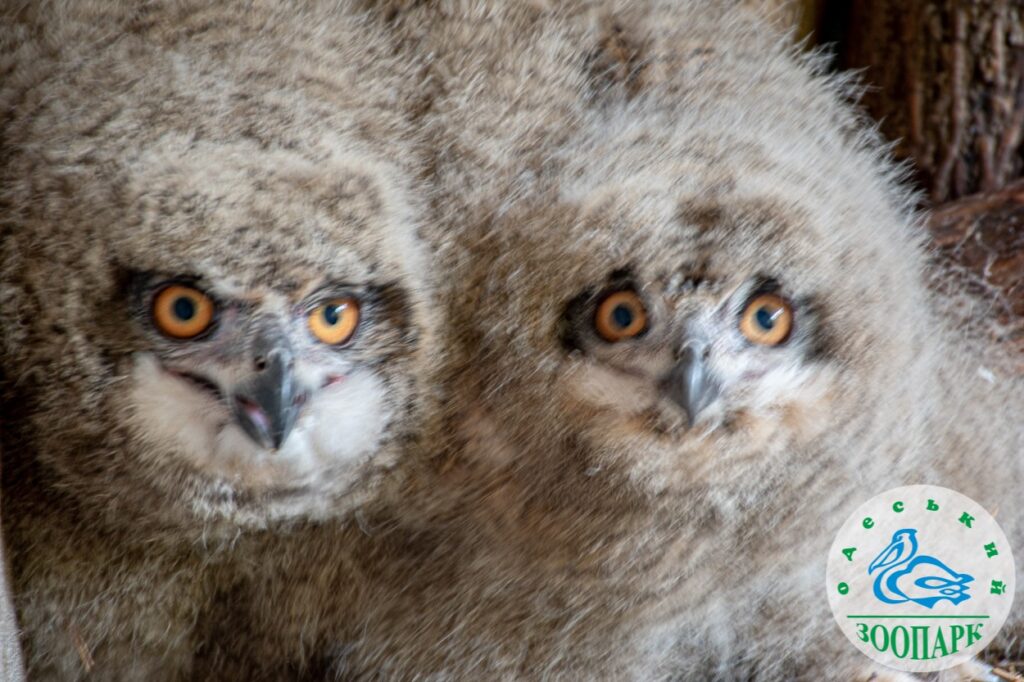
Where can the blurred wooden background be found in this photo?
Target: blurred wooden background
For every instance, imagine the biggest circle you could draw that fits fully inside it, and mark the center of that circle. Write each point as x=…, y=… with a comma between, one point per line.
x=946, y=83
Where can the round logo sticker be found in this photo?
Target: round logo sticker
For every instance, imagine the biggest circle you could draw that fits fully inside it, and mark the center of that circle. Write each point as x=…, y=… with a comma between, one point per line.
x=920, y=578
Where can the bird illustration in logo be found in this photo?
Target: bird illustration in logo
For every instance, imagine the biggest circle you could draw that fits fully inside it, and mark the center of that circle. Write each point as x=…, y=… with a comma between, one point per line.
x=906, y=577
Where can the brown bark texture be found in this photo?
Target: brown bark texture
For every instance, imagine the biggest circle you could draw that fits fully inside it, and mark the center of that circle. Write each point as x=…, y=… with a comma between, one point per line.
x=946, y=79
x=983, y=236
x=799, y=16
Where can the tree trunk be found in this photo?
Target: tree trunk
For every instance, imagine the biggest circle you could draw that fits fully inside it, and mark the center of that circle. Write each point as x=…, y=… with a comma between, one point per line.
x=984, y=237
x=947, y=82
x=799, y=16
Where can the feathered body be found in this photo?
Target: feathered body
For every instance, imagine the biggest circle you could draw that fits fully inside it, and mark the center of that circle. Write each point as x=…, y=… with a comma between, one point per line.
x=253, y=151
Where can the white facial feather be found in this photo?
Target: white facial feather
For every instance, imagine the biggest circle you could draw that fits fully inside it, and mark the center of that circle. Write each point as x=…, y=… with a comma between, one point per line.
x=341, y=424
x=609, y=387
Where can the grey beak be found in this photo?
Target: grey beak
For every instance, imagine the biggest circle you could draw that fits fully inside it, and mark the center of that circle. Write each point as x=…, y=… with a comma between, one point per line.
x=689, y=384
x=267, y=404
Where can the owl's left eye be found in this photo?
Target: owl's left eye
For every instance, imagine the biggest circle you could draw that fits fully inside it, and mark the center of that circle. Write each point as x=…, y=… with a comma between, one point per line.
x=335, y=321
x=182, y=312
x=620, y=315
x=767, y=320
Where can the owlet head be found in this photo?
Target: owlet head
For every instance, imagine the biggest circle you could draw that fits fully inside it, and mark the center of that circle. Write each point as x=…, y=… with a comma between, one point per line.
x=213, y=291
x=278, y=351
x=703, y=309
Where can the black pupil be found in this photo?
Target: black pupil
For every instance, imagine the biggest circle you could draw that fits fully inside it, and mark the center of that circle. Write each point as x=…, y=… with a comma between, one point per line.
x=332, y=313
x=622, y=315
x=765, y=318
x=184, y=308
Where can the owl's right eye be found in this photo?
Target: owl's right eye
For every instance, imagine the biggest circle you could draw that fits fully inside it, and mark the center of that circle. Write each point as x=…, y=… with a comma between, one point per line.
x=620, y=315
x=182, y=312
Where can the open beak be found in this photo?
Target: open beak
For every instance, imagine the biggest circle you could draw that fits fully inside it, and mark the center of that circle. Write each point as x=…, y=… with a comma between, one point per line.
x=690, y=384
x=267, y=403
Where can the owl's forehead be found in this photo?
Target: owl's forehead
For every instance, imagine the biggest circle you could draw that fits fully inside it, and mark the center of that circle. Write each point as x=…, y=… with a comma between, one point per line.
x=253, y=219
x=672, y=232
x=232, y=270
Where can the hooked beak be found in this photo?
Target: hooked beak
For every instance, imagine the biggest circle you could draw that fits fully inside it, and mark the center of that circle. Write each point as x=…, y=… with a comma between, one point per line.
x=267, y=404
x=690, y=384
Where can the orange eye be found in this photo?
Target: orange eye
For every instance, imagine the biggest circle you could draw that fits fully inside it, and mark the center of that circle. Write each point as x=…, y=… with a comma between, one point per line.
x=620, y=316
x=335, y=322
x=182, y=312
x=767, y=320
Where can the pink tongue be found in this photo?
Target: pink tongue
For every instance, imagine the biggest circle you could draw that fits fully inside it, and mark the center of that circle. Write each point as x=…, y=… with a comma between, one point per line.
x=258, y=416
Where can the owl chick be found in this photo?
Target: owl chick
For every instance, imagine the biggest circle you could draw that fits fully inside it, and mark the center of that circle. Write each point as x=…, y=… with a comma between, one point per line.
x=746, y=340
x=214, y=302
x=963, y=399
x=691, y=331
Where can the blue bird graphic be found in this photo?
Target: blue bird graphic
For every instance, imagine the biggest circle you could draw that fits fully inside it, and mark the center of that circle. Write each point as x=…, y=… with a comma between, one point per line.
x=905, y=577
